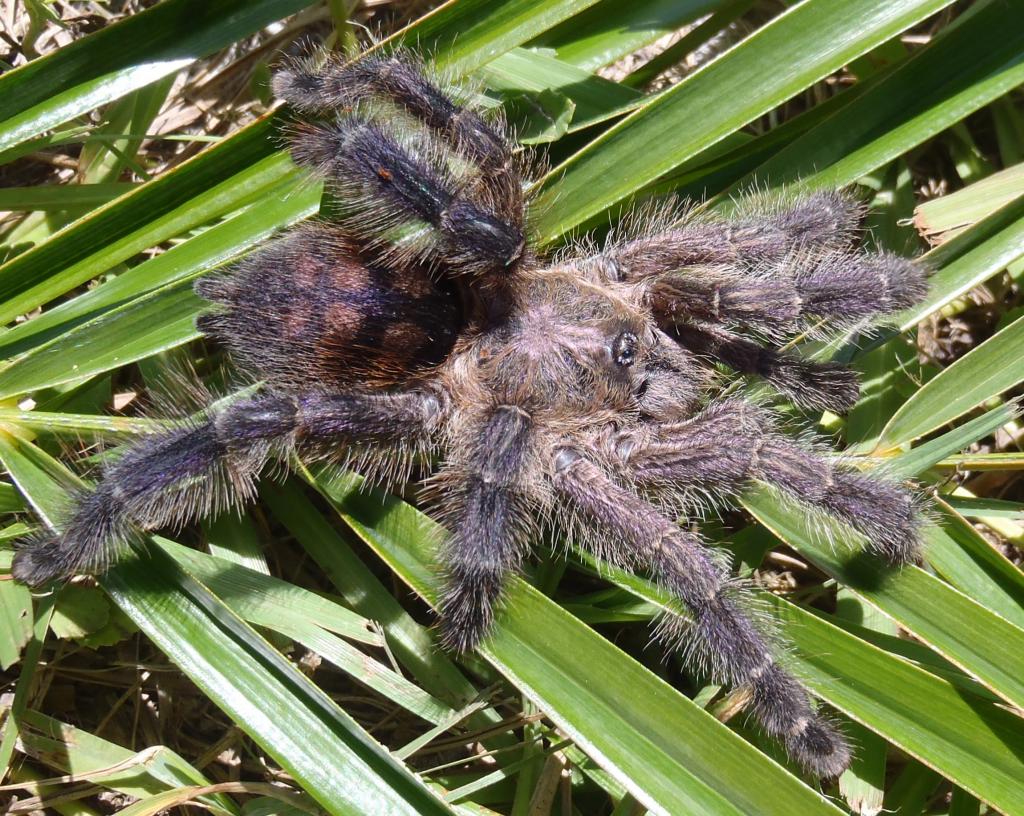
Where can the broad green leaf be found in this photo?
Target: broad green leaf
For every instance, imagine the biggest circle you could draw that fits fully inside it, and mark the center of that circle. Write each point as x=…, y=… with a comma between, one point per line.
x=984, y=372
x=969, y=635
x=539, y=117
x=596, y=99
x=317, y=743
x=693, y=116
x=267, y=601
x=411, y=643
x=668, y=753
x=465, y=34
x=121, y=58
x=977, y=743
x=304, y=617
x=615, y=28
x=964, y=68
x=62, y=196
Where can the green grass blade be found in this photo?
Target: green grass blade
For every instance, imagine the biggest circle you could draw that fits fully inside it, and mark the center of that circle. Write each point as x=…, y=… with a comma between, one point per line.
x=693, y=115
x=74, y=750
x=922, y=457
x=986, y=371
x=969, y=635
x=962, y=556
x=121, y=58
x=615, y=28
x=941, y=218
x=670, y=754
x=971, y=258
x=26, y=285
x=62, y=196
x=317, y=742
x=961, y=734
x=978, y=743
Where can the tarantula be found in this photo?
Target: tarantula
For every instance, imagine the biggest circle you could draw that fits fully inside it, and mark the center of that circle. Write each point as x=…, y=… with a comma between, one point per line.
x=417, y=319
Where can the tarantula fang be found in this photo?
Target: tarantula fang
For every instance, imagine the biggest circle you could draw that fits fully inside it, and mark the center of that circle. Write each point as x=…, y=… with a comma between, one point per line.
x=416, y=318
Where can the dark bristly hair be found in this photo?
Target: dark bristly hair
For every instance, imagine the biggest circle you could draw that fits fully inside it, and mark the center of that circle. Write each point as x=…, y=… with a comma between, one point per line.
x=415, y=321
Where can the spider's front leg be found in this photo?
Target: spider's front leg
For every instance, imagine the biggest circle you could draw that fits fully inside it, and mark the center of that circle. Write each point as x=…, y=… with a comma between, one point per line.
x=171, y=477
x=771, y=272
x=485, y=505
x=714, y=632
x=732, y=443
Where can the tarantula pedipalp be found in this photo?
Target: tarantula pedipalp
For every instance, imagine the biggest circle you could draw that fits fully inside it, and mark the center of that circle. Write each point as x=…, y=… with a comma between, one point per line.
x=418, y=318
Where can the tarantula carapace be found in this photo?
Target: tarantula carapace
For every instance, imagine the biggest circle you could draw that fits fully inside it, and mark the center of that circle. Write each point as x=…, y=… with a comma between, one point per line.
x=418, y=319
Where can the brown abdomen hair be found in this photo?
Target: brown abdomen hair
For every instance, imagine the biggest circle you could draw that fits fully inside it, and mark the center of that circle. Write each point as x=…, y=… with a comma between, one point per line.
x=312, y=310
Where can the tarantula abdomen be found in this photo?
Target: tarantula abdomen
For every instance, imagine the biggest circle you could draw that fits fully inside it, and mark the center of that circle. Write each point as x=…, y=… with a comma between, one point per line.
x=314, y=307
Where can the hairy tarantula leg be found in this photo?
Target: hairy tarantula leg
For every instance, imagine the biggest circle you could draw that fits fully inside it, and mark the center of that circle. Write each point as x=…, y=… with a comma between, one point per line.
x=400, y=78
x=832, y=289
x=733, y=443
x=174, y=476
x=817, y=386
x=368, y=165
x=490, y=525
x=719, y=636
x=826, y=219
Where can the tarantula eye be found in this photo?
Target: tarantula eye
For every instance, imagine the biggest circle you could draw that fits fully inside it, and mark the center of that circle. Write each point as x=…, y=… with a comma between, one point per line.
x=624, y=349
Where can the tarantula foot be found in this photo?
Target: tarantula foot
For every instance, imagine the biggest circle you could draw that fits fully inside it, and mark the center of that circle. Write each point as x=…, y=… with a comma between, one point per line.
x=884, y=512
x=467, y=611
x=820, y=748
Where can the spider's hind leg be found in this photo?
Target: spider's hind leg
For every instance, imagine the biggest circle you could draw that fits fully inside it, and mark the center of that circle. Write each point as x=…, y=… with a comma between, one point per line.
x=171, y=477
x=713, y=630
x=401, y=79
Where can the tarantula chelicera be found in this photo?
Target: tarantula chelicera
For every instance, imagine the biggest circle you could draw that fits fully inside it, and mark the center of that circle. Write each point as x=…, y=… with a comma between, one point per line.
x=418, y=319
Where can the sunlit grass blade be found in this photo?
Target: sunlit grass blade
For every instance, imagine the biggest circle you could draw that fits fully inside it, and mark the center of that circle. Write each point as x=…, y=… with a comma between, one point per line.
x=670, y=754
x=121, y=58
x=26, y=284
x=986, y=371
x=964, y=68
x=691, y=117
x=317, y=743
x=281, y=207
x=975, y=639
